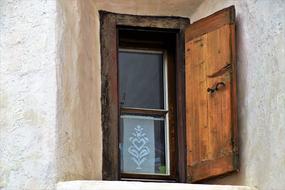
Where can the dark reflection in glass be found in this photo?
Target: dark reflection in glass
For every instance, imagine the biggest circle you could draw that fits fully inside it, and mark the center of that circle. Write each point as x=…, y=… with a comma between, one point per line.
x=141, y=80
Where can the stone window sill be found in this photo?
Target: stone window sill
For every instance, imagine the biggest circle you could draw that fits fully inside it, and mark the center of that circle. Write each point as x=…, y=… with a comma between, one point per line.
x=124, y=185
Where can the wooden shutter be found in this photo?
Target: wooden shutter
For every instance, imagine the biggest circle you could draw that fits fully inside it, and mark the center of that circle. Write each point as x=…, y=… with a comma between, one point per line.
x=211, y=107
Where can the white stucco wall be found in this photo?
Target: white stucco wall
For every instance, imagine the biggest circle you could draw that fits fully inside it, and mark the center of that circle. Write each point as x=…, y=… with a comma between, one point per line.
x=27, y=94
x=261, y=92
x=50, y=114
x=128, y=185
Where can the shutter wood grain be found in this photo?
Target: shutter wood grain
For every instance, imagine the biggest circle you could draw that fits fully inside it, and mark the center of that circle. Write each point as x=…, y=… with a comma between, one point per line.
x=211, y=119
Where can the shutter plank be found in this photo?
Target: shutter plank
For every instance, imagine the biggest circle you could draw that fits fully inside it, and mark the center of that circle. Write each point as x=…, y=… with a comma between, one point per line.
x=211, y=127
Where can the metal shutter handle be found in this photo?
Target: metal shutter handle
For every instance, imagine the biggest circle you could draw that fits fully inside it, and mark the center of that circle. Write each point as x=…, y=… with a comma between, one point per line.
x=216, y=87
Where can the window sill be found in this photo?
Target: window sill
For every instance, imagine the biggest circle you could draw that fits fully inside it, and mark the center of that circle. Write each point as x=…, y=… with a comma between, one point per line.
x=119, y=185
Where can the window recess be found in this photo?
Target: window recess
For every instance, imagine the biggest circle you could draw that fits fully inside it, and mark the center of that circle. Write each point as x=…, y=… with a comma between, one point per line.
x=173, y=115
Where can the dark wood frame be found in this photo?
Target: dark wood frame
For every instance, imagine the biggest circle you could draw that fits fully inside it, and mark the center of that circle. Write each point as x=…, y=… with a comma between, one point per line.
x=109, y=23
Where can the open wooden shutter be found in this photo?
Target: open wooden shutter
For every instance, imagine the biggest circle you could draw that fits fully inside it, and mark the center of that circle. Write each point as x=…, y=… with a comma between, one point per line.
x=211, y=107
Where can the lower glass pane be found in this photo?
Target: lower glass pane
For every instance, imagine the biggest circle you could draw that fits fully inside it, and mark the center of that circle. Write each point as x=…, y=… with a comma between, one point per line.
x=143, y=145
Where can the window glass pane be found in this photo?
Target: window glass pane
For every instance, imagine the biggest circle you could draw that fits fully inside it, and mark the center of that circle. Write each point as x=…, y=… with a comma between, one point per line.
x=141, y=80
x=143, y=145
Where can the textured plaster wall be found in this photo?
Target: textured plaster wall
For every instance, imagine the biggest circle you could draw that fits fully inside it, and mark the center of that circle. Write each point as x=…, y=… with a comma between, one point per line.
x=261, y=92
x=150, y=7
x=79, y=83
x=27, y=94
x=50, y=110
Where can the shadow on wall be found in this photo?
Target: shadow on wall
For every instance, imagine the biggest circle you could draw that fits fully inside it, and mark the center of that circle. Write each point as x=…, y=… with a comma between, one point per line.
x=79, y=107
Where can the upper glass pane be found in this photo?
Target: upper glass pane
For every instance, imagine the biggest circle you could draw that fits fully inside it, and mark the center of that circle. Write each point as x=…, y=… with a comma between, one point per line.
x=141, y=79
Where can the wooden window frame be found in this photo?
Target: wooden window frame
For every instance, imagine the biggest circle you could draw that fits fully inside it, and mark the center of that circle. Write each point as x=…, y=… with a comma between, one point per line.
x=109, y=23
x=163, y=41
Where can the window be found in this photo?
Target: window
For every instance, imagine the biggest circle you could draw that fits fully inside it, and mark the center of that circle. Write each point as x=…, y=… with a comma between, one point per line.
x=147, y=132
x=144, y=113
x=168, y=97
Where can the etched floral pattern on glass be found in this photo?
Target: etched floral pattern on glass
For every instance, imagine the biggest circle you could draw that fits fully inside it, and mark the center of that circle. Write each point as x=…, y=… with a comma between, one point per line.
x=142, y=145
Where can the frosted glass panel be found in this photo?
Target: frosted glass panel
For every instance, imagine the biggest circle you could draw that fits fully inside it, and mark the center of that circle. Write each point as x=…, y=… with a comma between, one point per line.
x=143, y=145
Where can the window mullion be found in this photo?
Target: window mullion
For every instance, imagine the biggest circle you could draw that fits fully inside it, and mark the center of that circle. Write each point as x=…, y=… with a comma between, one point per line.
x=143, y=111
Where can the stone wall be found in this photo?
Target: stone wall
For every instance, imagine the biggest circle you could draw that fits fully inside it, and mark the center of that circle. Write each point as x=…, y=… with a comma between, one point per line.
x=261, y=92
